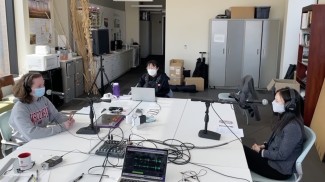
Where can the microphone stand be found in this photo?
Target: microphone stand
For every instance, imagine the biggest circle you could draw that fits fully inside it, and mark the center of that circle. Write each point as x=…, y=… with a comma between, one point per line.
x=91, y=129
x=205, y=133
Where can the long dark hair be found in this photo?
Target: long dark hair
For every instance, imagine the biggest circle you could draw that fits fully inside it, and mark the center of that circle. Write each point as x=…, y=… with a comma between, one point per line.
x=294, y=115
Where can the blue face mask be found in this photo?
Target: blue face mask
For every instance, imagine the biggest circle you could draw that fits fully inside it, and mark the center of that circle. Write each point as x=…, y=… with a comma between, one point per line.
x=39, y=92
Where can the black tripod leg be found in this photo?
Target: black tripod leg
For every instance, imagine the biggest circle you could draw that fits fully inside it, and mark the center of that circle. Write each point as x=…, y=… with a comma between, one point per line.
x=109, y=83
x=94, y=82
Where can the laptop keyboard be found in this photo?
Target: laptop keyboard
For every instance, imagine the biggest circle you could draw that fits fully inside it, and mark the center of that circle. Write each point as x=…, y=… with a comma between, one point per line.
x=130, y=180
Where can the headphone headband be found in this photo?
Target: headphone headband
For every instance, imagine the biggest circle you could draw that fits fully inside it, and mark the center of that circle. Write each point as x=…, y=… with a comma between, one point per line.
x=292, y=104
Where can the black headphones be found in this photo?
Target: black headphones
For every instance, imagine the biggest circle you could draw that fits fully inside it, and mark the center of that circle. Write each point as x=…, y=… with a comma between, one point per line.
x=28, y=89
x=292, y=104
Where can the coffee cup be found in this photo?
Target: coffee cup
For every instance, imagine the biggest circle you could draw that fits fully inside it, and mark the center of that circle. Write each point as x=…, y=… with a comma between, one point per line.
x=25, y=161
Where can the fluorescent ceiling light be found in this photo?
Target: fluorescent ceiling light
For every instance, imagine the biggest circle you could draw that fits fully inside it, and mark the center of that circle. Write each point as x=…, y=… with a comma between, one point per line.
x=135, y=0
x=146, y=6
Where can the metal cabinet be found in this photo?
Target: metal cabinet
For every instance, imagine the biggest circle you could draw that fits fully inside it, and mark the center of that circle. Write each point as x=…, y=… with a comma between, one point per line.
x=241, y=47
x=68, y=79
x=72, y=78
x=79, y=79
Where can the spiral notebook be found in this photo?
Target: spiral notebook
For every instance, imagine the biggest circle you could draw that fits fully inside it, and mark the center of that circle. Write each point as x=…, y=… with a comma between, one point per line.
x=109, y=120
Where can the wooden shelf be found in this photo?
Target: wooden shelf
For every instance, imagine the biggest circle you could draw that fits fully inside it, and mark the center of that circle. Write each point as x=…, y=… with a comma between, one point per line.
x=315, y=67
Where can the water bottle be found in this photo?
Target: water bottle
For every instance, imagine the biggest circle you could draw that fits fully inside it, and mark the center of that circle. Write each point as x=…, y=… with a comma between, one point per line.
x=116, y=89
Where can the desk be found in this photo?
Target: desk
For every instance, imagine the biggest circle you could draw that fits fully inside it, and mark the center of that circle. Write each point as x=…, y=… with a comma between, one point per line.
x=178, y=119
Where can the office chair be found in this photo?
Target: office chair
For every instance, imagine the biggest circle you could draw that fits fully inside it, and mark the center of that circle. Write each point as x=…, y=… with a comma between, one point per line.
x=246, y=92
x=296, y=177
x=6, y=133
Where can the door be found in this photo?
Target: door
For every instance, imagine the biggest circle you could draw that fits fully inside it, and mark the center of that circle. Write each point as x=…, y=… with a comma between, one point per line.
x=217, y=53
x=270, y=52
x=145, y=38
x=235, y=39
x=252, y=50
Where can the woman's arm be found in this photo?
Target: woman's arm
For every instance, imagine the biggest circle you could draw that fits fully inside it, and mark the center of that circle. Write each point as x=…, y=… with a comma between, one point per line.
x=291, y=136
x=23, y=124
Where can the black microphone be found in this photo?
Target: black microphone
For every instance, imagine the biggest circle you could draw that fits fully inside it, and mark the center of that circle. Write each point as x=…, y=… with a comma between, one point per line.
x=50, y=92
x=203, y=100
x=263, y=101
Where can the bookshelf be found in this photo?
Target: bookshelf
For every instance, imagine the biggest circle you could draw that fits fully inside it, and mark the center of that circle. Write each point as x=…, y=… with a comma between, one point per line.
x=310, y=72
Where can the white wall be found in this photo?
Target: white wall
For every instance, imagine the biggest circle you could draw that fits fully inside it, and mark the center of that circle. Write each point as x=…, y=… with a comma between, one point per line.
x=187, y=25
x=321, y=2
x=22, y=33
x=113, y=14
x=132, y=22
x=291, y=32
x=22, y=28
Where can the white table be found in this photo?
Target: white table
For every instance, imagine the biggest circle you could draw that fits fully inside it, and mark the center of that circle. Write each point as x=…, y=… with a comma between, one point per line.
x=178, y=119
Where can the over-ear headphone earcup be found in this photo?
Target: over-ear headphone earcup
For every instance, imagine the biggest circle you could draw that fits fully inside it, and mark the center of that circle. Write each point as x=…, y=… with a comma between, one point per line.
x=26, y=86
x=291, y=105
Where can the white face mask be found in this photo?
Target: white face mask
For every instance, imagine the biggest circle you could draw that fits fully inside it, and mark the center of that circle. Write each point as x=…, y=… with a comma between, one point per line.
x=277, y=107
x=152, y=72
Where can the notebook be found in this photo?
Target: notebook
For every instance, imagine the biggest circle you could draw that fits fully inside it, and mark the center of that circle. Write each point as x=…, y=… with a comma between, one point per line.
x=143, y=94
x=144, y=164
x=109, y=120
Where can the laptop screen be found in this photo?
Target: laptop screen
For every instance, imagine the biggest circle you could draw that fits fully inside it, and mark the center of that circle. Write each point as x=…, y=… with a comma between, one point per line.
x=145, y=163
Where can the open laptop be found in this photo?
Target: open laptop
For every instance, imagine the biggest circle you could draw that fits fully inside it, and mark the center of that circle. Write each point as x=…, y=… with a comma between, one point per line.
x=143, y=164
x=143, y=94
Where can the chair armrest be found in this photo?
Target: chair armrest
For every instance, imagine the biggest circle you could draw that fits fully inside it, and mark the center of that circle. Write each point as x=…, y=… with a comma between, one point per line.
x=11, y=143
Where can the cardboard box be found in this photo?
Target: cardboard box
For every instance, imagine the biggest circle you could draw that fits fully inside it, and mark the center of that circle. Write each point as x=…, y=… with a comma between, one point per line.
x=281, y=83
x=197, y=81
x=176, y=68
x=176, y=81
x=318, y=125
x=242, y=12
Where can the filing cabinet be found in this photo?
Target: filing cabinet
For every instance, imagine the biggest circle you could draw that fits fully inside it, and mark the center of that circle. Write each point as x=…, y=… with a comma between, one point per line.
x=72, y=78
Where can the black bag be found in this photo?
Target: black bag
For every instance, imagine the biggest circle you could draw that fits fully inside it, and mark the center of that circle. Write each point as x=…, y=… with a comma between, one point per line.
x=202, y=70
x=290, y=72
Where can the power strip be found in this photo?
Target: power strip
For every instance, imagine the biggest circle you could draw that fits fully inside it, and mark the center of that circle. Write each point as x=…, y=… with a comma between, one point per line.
x=112, y=148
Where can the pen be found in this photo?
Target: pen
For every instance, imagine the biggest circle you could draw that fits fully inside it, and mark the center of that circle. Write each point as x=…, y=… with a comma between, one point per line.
x=36, y=175
x=78, y=178
x=71, y=116
x=31, y=177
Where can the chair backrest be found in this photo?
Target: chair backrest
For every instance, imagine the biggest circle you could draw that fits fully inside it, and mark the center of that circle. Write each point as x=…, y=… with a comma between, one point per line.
x=310, y=140
x=5, y=129
x=5, y=81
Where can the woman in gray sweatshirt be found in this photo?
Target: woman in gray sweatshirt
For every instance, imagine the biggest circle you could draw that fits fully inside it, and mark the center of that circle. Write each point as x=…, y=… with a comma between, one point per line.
x=32, y=114
x=275, y=159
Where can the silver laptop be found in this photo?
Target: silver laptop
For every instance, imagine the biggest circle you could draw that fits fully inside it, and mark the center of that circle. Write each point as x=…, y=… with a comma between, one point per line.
x=143, y=164
x=143, y=94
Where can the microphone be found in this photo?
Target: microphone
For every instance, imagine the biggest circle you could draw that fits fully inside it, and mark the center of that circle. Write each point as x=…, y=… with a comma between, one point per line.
x=263, y=101
x=50, y=92
x=203, y=100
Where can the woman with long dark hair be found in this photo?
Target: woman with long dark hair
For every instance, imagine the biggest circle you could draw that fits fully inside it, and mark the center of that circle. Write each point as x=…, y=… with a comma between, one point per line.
x=275, y=159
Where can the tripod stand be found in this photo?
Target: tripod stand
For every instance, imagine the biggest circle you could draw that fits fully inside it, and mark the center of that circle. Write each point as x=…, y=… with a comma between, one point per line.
x=101, y=70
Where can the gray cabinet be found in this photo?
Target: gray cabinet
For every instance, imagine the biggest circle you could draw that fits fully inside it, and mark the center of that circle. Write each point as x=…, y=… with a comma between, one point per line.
x=72, y=78
x=68, y=78
x=79, y=79
x=241, y=47
x=115, y=65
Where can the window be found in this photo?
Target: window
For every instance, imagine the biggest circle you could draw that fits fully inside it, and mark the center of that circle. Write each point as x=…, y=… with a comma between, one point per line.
x=4, y=50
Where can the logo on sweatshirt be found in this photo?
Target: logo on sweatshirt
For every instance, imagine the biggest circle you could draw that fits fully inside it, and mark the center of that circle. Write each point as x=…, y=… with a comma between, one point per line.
x=39, y=115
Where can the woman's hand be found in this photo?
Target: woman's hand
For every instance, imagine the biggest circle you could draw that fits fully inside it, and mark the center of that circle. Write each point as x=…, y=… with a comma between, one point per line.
x=257, y=148
x=69, y=123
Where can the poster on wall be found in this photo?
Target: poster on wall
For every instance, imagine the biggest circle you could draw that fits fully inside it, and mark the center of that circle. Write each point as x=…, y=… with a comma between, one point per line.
x=40, y=28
